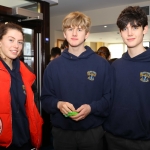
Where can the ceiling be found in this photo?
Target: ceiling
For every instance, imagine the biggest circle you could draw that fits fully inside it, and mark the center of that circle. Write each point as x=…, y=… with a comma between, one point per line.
x=98, y=33
x=66, y=6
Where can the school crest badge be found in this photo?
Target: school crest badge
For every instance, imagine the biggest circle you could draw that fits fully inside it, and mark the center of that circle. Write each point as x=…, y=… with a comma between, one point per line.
x=144, y=76
x=91, y=75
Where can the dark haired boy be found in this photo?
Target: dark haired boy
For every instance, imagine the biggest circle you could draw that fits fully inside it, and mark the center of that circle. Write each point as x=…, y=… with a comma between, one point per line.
x=128, y=126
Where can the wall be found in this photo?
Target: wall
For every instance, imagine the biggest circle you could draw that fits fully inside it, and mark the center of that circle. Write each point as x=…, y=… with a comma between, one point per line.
x=58, y=35
x=94, y=45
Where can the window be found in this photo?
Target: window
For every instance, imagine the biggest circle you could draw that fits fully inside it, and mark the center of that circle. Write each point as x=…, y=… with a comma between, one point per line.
x=116, y=50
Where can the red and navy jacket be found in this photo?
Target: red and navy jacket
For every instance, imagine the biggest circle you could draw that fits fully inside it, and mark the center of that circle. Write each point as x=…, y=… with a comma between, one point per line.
x=34, y=118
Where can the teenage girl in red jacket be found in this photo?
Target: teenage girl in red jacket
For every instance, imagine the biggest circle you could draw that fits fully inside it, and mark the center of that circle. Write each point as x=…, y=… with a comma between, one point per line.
x=20, y=122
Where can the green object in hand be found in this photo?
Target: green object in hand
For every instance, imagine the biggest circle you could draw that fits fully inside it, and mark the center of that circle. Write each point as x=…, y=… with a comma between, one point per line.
x=72, y=113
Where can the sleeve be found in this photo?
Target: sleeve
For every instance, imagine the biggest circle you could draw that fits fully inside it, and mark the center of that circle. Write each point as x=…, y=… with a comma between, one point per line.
x=48, y=96
x=102, y=106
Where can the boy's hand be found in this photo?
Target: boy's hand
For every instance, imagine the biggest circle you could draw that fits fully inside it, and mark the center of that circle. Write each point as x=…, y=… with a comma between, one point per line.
x=65, y=107
x=83, y=111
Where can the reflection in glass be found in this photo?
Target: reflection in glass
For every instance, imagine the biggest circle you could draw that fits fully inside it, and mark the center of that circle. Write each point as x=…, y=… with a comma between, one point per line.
x=28, y=50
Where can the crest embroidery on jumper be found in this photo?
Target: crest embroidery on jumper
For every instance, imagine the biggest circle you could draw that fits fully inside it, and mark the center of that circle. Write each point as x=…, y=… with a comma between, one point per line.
x=91, y=75
x=144, y=76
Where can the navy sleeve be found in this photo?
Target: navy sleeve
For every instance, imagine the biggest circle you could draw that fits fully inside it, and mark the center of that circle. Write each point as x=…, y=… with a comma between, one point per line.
x=102, y=106
x=48, y=97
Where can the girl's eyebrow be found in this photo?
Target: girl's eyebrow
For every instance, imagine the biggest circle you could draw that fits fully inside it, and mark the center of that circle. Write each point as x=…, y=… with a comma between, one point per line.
x=14, y=38
x=11, y=37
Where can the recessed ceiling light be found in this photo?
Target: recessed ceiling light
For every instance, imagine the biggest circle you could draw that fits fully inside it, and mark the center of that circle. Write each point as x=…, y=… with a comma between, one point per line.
x=105, y=26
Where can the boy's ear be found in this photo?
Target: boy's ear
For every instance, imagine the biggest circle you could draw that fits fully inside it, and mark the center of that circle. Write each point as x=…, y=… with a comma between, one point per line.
x=64, y=34
x=87, y=35
x=119, y=32
x=145, y=29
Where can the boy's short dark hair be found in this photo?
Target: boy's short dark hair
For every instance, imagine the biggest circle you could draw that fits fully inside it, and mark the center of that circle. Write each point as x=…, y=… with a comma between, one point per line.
x=65, y=44
x=133, y=15
x=55, y=51
x=104, y=50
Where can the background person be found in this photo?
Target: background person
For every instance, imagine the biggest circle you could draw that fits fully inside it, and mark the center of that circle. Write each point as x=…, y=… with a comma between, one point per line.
x=55, y=52
x=104, y=52
x=64, y=45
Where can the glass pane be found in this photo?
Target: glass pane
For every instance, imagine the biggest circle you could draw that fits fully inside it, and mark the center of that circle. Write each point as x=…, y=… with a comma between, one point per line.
x=28, y=50
x=31, y=6
x=29, y=61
